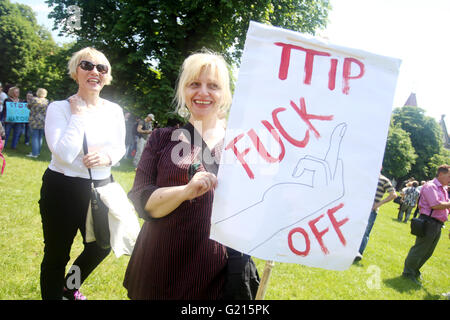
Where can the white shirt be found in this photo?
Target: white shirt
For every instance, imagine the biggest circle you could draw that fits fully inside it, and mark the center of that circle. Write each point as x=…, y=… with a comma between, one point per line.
x=105, y=132
x=3, y=97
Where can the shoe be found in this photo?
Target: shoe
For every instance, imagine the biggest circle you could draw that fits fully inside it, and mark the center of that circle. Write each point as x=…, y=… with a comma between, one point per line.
x=30, y=155
x=73, y=295
x=358, y=258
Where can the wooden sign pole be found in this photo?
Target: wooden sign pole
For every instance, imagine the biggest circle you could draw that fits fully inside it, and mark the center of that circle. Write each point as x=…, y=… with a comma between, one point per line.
x=264, y=280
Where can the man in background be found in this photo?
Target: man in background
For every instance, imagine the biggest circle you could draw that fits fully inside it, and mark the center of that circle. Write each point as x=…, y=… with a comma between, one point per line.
x=434, y=207
x=384, y=185
x=144, y=129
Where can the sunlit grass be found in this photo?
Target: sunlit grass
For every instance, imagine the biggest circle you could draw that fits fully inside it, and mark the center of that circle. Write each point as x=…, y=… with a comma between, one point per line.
x=377, y=276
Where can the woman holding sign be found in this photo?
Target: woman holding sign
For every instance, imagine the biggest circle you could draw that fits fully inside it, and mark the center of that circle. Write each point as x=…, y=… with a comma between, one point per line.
x=173, y=191
x=10, y=123
x=66, y=185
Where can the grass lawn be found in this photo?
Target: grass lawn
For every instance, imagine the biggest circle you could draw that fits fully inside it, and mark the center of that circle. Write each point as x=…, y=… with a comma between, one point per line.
x=376, y=276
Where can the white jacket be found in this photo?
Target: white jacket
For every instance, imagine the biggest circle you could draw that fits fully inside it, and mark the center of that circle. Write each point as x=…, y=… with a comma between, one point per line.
x=123, y=223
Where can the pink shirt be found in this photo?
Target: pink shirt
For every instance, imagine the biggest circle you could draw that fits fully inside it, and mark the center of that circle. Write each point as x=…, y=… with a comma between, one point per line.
x=432, y=194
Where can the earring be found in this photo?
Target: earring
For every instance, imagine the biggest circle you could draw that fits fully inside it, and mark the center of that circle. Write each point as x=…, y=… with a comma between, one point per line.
x=184, y=112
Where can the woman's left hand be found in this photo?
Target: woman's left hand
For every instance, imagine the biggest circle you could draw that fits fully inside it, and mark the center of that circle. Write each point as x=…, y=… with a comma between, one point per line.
x=96, y=159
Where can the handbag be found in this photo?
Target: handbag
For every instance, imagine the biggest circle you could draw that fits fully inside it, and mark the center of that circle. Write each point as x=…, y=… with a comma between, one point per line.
x=99, y=212
x=242, y=278
x=418, y=226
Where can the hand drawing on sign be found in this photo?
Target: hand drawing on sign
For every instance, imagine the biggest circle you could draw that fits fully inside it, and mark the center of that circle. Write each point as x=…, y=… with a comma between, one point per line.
x=316, y=184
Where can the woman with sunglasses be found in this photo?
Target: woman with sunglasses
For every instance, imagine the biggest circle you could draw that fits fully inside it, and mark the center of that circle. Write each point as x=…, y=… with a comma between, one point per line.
x=65, y=191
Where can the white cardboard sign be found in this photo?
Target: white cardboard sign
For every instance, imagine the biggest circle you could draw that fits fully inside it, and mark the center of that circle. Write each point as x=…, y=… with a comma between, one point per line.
x=303, y=149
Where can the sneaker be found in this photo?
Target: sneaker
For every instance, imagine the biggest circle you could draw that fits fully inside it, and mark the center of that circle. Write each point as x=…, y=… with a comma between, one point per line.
x=73, y=295
x=358, y=258
x=30, y=155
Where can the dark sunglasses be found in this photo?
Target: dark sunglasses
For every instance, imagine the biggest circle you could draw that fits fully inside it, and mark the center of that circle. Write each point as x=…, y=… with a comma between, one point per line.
x=89, y=66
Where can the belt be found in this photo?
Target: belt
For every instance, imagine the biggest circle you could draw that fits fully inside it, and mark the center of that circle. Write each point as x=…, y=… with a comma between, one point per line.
x=103, y=182
x=427, y=217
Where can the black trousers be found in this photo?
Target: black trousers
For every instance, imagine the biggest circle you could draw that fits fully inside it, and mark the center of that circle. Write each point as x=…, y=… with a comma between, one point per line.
x=423, y=248
x=63, y=205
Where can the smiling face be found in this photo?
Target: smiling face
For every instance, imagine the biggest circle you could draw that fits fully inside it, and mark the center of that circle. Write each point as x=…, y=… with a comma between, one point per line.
x=90, y=80
x=203, y=95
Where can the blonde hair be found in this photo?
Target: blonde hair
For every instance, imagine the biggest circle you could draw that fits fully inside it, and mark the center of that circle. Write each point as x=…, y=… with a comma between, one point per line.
x=192, y=68
x=87, y=53
x=41, y=93
x=10, y=90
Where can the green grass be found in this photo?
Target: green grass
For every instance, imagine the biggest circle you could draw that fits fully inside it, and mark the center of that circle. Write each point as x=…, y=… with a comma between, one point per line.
x=377, y=276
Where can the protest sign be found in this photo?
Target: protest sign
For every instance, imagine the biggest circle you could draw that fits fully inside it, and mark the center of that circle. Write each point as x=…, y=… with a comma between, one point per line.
x=303, y=148
x=17, y=112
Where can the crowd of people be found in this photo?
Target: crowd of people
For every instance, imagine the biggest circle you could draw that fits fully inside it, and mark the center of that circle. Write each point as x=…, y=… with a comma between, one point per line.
x=33, y=129
x=173, y=257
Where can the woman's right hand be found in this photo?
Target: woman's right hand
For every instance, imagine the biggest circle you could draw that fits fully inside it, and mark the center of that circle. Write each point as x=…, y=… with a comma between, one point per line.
x=77, y=105
x=200, y=183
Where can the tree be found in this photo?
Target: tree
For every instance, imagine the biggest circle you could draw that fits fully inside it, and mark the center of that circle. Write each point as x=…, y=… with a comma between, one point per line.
x=443, y=157
x=30, y=57
x=146, y=41
x=425, y=135
x=399, y=155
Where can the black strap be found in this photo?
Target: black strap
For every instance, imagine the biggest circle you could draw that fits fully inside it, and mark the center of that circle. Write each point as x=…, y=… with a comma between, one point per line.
x=85, y=150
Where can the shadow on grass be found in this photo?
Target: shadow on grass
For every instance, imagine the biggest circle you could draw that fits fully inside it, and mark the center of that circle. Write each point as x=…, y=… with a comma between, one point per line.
x=401, y=284
x=404, y=285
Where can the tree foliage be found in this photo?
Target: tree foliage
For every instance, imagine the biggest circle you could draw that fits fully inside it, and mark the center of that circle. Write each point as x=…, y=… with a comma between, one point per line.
x=30, y=57
x=425, y=135
x=399, y=155
x=146, y=41
x=443, y=157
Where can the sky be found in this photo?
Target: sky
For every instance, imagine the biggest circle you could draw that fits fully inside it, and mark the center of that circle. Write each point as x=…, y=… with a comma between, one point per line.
x=414, y=31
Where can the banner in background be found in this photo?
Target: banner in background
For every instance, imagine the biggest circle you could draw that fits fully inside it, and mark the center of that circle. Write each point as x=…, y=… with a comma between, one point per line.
x=17, y=112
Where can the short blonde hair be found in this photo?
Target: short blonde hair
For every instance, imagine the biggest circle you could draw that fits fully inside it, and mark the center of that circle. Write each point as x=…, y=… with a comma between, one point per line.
x=41, y=93
x=87, y=53
x=192, y=68
x=10, y=90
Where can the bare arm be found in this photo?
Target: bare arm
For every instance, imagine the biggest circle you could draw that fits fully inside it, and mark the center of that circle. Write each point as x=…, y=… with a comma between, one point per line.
x=392, y=195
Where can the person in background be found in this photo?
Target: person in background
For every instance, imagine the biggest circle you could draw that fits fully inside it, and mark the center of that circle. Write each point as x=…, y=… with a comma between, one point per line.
x=26, y=125
x=66, y=185
x=434, y=209
x=144, y=129
x=410, y=197
x=16, y=127
x=416, y=211
x=38, y=108
x=384, y=185
x=173, y=257
x=3, y=97
x=2, y=143
x=130, y=136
